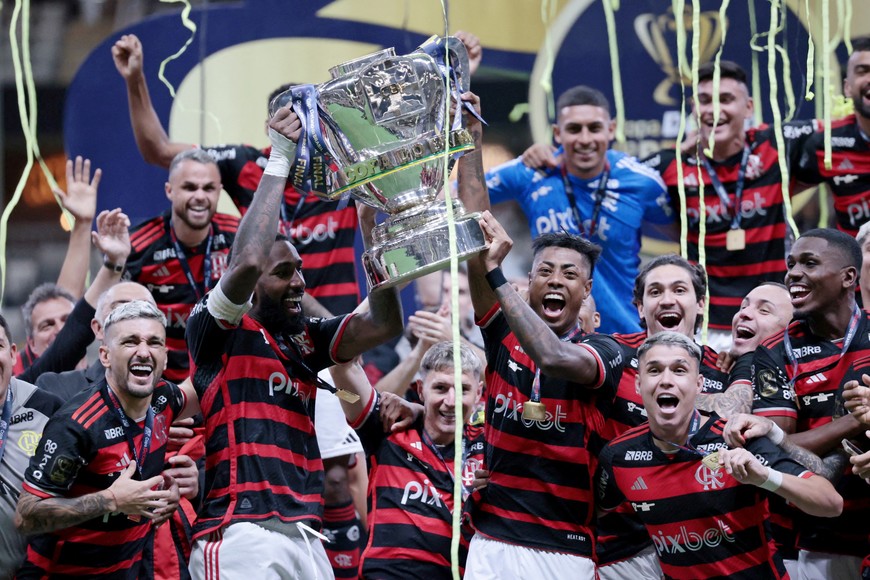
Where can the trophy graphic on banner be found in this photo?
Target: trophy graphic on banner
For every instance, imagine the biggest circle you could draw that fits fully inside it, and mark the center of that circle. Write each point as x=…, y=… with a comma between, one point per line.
x=376, y=132
x=656, y=33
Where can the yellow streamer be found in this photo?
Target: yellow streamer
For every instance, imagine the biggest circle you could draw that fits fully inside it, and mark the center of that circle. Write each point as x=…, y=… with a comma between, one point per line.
x=717, y=75
x=454, y=308
x=811, y=53
x=678, y=6
x=826, y=75
x=756, y=76
x=777, y=117
x=619, y=102
x=702, y=208
x=847, y=25
x=548, y=13
x=20, y=5
x=188, y=24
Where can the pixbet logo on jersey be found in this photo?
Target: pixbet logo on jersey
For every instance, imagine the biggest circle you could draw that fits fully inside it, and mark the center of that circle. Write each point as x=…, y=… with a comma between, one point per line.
x=424, y=492
x=685, y=540
x=512, y=409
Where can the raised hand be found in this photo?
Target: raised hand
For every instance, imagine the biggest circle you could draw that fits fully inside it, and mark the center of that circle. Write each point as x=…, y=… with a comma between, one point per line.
x=127, y=54
x=112, y=237
x=80, y=197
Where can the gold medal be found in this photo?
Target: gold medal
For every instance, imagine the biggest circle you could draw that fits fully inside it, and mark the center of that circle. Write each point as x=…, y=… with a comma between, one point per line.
x=711, y=461
x=735, y=239
x=347, y=396
x=534, y=411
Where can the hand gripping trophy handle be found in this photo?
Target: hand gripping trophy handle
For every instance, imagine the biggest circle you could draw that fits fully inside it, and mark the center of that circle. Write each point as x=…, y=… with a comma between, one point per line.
x=376, y=132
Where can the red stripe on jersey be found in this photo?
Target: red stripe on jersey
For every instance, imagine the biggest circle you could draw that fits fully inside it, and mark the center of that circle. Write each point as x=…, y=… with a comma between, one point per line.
x=853, y=164
x=147, y=233
x=514, y=444
x=90, y=421
x=342, y=289
x=257, y=450
x=406, y=554
x=326, y=259
x=283, y=490
x=755, y=269
x=528, y=518
x=397, y=516
x=87, y=408
x=534, y=484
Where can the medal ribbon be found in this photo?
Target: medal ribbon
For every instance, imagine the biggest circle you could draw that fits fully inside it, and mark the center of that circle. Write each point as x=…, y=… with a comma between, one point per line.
x=4, y=419
x=437, y=49
x=309, y=167
x=199, y=290
x=535, y=396
x=142, y=456
x=599, y=196
x=850, y=334
x=738, y=190
x=693, y=428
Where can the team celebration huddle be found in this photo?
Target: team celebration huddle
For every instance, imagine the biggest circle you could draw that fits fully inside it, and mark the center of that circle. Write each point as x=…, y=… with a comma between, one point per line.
x=250, y=415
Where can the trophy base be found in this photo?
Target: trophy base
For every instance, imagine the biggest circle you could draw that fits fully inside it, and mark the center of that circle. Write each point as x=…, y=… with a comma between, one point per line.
x=403, y=258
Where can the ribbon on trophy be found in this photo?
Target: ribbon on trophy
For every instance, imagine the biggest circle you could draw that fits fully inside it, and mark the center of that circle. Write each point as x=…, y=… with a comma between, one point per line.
x=436, y=48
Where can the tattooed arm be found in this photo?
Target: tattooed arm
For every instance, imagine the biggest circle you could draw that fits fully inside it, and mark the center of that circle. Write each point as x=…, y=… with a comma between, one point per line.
x=733, y=401
x=256, y=234
x=36, y=515
x=830, y=467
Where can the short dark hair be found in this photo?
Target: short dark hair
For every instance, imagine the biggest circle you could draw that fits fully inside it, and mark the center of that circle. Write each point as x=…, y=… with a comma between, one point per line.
x=42, y=293
x=861, y=44
x=582, y=95
x=846, y=245
x=697, y=275
x=574, y=242
x=5, y=326
x=198, y=155
x=671, y=338
x=727, y=70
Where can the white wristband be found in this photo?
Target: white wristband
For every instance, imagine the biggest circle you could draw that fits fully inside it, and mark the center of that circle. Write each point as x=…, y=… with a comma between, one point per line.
x=776, y=434
x=278, y=165
x=773, y=481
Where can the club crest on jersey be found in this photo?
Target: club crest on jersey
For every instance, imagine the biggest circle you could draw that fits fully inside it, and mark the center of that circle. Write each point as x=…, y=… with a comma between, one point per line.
x=767, y=384
x=754, y=167
x=710, y=479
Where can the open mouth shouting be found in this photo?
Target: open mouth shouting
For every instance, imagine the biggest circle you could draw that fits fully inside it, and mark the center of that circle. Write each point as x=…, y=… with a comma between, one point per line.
x=799, y=294
x=292, y=304
x=667, y=403
x=553, y=304
x=669, y=320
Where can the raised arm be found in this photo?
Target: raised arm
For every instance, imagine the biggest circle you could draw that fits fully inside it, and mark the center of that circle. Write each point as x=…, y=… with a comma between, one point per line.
x=80, y=200
x=151, y=137
x=382, y=320
x=473, y=195
x=257, y=230
x=555, y=358
x=813, y=495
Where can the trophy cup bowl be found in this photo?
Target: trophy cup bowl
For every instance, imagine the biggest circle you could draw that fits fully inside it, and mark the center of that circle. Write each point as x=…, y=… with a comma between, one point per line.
x=382, y=118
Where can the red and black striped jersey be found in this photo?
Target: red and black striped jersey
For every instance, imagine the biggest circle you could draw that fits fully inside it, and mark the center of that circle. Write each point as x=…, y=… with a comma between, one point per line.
x=733, y=273
x=620, y=534
x=322, y=231
x=849, y=175
x=257, y=394
x=703, y=522
x=83, y=450
x=539, y=493
x=410, y=520
x=154, y=263
x=813, y=401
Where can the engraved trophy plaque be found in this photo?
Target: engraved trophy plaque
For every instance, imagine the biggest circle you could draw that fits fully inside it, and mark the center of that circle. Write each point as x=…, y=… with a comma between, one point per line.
x=376, y=132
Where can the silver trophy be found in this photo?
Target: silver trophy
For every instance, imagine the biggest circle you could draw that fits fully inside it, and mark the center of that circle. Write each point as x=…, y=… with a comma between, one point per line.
x=376, y=132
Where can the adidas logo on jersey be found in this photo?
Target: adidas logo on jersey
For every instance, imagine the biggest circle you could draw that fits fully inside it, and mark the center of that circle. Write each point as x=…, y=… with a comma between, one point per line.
x=417, y=445
x=690, y=180
x=639, y=483
x=845, y=164
x=817, y=378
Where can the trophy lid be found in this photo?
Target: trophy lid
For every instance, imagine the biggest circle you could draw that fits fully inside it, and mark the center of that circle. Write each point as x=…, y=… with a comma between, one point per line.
x=354, y=65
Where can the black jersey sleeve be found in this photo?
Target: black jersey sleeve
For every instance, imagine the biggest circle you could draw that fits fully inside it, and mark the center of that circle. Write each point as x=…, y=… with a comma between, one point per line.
x=610, y=361
x=773, y=395
x=609, y=495
x=63, y=450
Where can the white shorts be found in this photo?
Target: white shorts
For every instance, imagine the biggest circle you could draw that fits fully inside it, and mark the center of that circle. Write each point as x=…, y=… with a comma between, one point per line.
x=334, y=436
x=246, y=551
x=822, y=566
x=490, y=559
x=642, y=566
